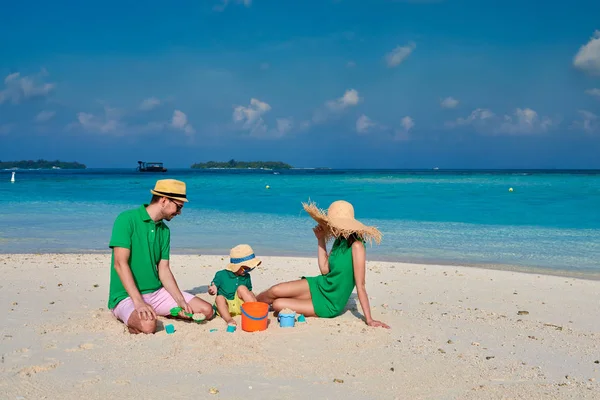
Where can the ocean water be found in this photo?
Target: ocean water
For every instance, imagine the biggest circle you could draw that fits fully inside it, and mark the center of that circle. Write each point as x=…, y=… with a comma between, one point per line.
x=550, y=221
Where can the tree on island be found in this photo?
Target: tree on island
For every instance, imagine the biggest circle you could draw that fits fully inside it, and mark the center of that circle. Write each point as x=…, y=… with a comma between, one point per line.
x=232, y=164
x=41, y=164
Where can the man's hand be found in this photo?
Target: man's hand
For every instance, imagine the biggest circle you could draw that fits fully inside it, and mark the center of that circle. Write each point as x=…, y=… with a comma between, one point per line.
x=212, y=289
x=145, y=312
x=185, y=306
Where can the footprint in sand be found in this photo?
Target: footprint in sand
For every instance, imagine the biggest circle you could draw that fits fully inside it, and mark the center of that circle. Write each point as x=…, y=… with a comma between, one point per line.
x=30, y=371
x=85, y=346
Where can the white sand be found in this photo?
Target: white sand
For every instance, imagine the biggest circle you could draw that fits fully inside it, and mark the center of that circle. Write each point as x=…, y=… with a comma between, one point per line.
x=456, y=334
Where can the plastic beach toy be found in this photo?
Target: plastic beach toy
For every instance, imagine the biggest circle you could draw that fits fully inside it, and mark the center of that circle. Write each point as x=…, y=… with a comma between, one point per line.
x=255, y=316
x=177, y=311
x=231, y=328
x=287, y=320
x=170, y=328
x=301, y=318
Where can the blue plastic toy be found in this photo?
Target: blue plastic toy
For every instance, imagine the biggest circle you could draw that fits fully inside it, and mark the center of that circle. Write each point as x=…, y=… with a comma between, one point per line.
x=169, y=328
x=301, y=318
x=231, y=328
x=287, y=320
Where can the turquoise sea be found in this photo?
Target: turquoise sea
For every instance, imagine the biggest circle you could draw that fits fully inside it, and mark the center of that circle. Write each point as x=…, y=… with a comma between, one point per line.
x=550, y=221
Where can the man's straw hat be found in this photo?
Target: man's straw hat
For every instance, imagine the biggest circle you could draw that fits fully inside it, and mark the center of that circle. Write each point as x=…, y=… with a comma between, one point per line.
x=240, y=256
x=170, y=188
x=339, y=221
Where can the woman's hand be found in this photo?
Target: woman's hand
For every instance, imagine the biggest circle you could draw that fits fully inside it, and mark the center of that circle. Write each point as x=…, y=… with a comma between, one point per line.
x=320, y=232
x=377, y=324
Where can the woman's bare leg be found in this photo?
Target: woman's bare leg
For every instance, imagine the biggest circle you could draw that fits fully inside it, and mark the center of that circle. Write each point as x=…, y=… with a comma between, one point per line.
x=300, y=306
x=289, y=290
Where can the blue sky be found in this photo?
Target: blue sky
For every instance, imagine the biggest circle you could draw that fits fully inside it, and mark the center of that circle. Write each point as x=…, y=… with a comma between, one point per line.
x=337, y=83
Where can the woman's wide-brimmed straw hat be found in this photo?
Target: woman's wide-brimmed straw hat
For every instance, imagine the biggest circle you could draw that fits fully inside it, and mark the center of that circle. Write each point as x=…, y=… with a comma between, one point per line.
x=339, y=220
x=170, y=188
x=240, y=256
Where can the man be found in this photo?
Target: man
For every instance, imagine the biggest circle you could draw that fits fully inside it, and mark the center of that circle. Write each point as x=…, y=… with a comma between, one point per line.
x=142, y=285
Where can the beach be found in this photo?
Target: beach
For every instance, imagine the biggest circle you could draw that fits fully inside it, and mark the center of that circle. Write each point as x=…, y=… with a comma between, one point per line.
x=457, y=333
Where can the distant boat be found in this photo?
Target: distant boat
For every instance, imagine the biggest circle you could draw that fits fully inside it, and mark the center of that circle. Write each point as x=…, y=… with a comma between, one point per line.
x=150, y=167
x=12, y=178
x=436, y=168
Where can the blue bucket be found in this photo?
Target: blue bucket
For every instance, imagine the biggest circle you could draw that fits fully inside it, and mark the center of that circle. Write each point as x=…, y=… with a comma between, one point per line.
x=287, y=320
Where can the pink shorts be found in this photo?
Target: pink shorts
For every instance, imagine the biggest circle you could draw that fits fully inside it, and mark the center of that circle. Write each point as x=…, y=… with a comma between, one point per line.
x=161, y=301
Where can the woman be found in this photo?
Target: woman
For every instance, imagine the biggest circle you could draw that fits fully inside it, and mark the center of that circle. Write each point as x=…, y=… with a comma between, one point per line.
x=326, y=295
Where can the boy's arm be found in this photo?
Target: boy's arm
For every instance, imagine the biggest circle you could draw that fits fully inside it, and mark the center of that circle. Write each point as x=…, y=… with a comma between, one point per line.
x=214, y=285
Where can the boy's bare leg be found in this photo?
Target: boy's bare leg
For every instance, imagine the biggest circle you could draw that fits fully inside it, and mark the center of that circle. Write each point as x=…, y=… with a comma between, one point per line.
x=244, y=294
x=223, y=309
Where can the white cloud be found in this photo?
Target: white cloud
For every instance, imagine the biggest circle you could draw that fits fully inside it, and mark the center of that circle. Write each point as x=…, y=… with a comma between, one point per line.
x=449, y=102
x=349, y=99
x=45, y=116
x=364, y=124
x=19, y=88
x=251, y=117
x=593, y=92
x=180, y=121
x=149, y=104
x=522, y=121
x=589, y=123
x=407, y=124
x=93, y=123
x=399, y=54
x=477, y=117
x=284, y=125
x=588, y=56
x=224, y=3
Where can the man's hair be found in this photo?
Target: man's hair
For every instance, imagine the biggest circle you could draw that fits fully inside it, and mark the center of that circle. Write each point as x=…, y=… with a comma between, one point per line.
x=155, y=199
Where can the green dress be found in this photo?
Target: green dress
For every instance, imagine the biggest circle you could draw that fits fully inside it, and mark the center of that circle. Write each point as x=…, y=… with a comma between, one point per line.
x=330, y=292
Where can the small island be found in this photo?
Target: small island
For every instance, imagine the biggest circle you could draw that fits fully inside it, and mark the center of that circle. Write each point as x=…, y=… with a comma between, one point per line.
x=232, y=164
x=40, y=164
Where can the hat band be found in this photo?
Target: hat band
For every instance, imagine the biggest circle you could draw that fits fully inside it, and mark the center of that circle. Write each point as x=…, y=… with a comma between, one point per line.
x=171, y=194
x=241, y=259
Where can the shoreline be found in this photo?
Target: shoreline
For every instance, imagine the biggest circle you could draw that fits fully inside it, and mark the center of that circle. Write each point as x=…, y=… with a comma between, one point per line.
x=532, y=270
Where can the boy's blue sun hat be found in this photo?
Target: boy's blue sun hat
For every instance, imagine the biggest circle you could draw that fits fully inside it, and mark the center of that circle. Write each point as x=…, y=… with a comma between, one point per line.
x=240, y=256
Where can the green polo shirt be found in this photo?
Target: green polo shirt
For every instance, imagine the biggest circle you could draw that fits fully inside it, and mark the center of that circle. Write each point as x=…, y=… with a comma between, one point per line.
x=227, y=283
x=149, y=243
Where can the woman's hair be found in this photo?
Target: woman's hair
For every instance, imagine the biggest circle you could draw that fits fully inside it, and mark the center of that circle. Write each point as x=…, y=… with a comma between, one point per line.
x=353, y=238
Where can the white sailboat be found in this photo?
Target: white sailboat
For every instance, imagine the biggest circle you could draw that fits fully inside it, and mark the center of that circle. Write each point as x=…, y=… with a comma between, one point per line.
x=12, y=178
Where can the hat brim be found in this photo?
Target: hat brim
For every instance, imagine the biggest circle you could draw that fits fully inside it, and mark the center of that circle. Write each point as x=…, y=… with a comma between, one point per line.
x=172, y=196
x=343, y=227
x=255, y=262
